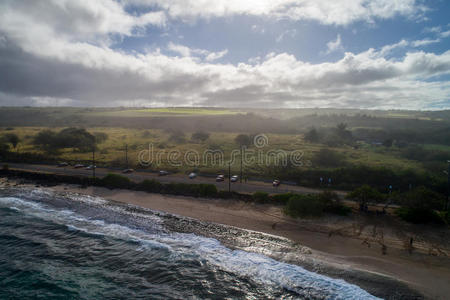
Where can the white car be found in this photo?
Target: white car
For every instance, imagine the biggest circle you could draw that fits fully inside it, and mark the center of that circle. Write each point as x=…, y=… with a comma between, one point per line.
x=192, y=175
x=234, y=178
x=127, y=171
x=220, y=178
x=90, y=167
x=78, y=166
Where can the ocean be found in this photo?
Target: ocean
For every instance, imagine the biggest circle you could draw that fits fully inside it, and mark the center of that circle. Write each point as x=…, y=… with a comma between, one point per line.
x=70, y=246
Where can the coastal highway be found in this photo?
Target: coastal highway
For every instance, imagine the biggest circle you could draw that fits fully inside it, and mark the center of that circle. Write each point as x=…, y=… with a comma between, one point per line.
x=137, y=176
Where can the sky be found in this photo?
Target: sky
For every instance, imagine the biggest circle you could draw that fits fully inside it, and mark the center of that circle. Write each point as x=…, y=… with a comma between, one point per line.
x=368, y=54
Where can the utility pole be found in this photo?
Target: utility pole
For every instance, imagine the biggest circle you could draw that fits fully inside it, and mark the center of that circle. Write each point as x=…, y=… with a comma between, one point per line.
x=241, y=165
x=229, y=177
x=93, y=161
x=126, y=155
x=448, y=186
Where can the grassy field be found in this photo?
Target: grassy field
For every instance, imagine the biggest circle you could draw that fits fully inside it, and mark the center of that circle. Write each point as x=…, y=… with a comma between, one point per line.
x=112, y=151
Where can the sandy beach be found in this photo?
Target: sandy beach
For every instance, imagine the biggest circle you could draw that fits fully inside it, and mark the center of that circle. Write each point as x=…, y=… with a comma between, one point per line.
x=430, y=274
x=329, y=239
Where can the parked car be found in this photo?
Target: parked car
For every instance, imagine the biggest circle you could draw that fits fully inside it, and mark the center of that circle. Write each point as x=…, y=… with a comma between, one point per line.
x=127, y=171
x=163, y=173
x=276, y=183
x=78, y=166
x=220, y=178
x=234, y=178
x=91, y=167
x=63, y=164
x=192, y=175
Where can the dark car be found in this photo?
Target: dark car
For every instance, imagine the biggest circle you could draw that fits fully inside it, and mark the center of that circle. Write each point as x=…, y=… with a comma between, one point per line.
x=78, y=166
x=63, y=164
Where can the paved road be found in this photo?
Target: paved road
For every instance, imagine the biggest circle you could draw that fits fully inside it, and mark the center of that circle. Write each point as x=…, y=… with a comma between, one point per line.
x=249, y=187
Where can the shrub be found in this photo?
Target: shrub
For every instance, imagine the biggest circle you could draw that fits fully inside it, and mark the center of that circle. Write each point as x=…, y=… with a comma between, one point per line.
x=365, y=195
x=200, y=136
x=304, y=205
x=116, y=181
x=243, y=140
x=5, y=167
x=419, y=216
x=328, y=158
x=151, y=186
x=261, y=197
x=281, y=198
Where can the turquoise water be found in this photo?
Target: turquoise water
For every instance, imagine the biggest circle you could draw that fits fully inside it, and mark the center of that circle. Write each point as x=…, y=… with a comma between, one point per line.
x=77, y=247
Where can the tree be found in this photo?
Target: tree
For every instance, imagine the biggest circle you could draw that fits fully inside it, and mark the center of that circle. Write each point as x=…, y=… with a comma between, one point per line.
x=243, y=140
x=388, y=143
x=200, y=136
x=177, y=136
x=12, y=138
x=342, y=132
x=422, y=198
x=328, y=158
x=365, y=195
x=312, y=135
x=100, y=137
x=46, y=140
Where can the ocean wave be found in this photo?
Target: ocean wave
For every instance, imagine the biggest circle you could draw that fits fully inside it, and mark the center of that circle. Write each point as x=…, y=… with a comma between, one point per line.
x=253, y=266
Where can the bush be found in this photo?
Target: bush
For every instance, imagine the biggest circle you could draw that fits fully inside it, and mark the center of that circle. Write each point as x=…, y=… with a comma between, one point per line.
x=304, y=205
x=115, y=181
x=328, y=158
x=281, y=198
x=200, y=136
x=5, y=167
x=420, y=216
x=261, y=197
x=365, y=195
x=151, y=186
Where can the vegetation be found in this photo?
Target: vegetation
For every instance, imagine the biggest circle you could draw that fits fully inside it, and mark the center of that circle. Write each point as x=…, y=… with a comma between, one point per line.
x=402, y=149
x=314, y=205
x=365, y=195
x=77, y=138
x=200, y=136
x=421, y=205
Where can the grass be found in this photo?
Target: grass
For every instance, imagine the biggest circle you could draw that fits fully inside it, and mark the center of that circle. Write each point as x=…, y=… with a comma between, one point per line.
x=112, y=151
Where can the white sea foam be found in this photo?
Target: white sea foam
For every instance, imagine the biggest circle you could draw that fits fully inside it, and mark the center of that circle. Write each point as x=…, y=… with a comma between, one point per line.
x=256, y=267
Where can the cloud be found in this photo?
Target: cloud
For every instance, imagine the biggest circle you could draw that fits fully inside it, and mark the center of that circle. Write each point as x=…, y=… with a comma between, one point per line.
x=333, y=46
x=424, y=42
x=216, y=55
x=290, y=32
x=188, y=52
x=42, y=62
x=445, y=34
x=331, y=12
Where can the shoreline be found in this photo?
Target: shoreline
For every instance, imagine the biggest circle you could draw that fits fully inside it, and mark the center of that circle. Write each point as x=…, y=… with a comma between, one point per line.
x=427, y=274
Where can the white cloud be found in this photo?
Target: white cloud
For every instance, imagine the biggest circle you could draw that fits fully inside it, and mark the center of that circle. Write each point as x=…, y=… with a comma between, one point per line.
x=42, y=61
x=337, y=12
x=188, y=52
x=424, y=42
x=336, y=45
x=290, y=32
x=445, y=34
x=216, y=55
